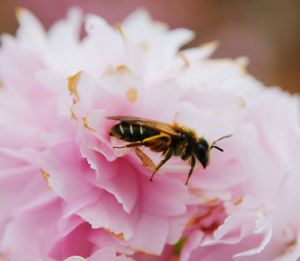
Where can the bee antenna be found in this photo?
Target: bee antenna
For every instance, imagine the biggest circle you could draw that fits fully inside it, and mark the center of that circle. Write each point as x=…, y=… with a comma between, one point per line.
x=216, y=147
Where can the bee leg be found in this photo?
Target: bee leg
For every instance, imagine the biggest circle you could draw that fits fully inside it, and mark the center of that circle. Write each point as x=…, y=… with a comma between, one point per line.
x=134, y=144
x=165, y=159
x=193, y=163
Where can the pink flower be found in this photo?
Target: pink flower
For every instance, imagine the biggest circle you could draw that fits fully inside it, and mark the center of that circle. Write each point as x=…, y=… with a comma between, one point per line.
x=68, y=195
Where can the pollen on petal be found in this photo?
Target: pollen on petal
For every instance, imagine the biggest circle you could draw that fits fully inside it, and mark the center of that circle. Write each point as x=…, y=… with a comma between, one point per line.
x=186, y=62
x=73, y=115
x=131, y=94
x=138, y=250
x=85, y=124
x=144, y=46
x=238, y=201
x=119, y=69
x=72, y=85
x=44, y=174
x=118, y=235
x=122, y=68
x=119, y=27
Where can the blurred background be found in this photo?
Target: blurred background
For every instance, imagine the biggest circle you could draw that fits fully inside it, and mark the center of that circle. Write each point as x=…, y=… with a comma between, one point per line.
x=266, y=31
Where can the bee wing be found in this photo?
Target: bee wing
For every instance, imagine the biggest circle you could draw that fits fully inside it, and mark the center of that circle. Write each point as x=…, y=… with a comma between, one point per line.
x=157, y=125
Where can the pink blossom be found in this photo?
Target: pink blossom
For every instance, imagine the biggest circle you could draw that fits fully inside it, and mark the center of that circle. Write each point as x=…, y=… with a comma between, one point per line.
x=66, y=194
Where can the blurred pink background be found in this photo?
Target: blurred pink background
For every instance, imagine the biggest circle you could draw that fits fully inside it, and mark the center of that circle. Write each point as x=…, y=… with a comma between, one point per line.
x=266, y=31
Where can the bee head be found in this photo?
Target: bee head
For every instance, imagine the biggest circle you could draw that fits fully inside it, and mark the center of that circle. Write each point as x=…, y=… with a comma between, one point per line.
x=202, y=152
x=203, y=149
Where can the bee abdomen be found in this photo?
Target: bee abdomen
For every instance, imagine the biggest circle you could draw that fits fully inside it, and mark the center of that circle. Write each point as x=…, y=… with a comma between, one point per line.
x=132, y=132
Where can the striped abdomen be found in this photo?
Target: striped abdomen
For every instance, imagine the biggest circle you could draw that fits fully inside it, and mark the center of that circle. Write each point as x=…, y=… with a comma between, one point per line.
x=132, y=132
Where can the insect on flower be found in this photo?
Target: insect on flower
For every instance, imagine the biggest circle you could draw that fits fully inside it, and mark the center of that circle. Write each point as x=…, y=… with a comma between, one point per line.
x=171, y=140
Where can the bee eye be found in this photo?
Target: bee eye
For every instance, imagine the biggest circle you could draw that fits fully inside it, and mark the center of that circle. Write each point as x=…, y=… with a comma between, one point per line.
x=183, y=136
x=201, y=152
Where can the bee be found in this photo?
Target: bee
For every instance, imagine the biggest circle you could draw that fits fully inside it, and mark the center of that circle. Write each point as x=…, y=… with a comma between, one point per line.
x=169, y=139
